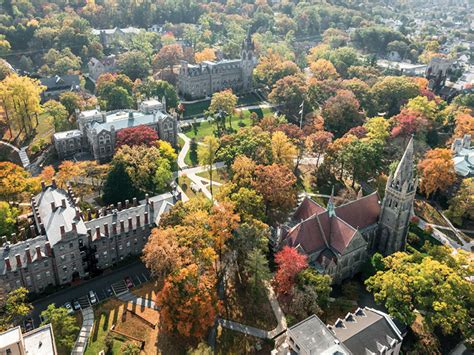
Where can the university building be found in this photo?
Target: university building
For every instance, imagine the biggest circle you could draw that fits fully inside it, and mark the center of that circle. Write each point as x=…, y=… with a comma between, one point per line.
x=339, y=240
x=98, y=130
x=203, y=79
x=66, y=245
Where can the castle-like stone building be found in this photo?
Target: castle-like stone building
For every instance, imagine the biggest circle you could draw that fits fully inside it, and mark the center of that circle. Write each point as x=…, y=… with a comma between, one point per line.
x=339, y=240
x=65, y=245
x=97, y=129
x=204, y=79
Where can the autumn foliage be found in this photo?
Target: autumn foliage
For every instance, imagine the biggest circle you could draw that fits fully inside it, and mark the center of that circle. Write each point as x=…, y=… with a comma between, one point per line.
x=139, y=135
x=194, y=311
x=436, y=171
x=289, y=263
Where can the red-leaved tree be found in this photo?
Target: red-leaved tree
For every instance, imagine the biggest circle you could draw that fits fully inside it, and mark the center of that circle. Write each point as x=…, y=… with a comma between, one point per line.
x=289, y=263
x=139, y=135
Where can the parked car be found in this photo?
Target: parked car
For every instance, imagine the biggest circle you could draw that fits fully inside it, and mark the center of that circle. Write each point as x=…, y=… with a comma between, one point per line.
x=92, y=297
x=76, y=305
x=128, y=281
x=29, y=325
x=68, y=306
x=109, y=292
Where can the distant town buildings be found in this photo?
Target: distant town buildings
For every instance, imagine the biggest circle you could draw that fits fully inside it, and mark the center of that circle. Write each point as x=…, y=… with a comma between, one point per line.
x=39, y=341
x=366, y=331
x=463, y=156
x=115, y=35
x=203, y=79
x=65, y=245
x=339, y=240
x=57, y=84
x=97, y=129
x=97, y=67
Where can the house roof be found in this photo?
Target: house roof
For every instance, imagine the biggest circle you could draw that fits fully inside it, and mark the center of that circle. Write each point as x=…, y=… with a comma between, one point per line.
x=11, y=250
x=366, y=330
x=360, y=213
x=40, y=341
x=127, y=118
x=62, y=81
x=307, y=208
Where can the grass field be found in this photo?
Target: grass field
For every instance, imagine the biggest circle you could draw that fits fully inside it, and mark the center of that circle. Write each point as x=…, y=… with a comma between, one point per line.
x=218, y=175
x=198, y=108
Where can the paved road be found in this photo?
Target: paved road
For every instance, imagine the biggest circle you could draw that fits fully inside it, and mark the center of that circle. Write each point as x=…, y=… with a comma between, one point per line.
x=99, y=284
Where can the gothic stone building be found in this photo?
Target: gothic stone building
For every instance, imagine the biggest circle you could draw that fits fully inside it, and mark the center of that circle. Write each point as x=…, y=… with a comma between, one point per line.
x=204, y=79
x=66, y=245
x=97, y=130
x=339, y=240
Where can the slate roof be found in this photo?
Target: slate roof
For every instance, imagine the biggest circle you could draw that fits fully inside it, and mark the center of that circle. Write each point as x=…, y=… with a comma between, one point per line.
x=122, y=119
x=366, y=330
x=319, y=231
x=208, y=67
x=59, y=82
x=11, y=250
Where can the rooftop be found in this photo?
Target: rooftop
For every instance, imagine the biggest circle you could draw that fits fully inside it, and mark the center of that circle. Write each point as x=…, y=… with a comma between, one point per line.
x=129, y=118
x=40, y=341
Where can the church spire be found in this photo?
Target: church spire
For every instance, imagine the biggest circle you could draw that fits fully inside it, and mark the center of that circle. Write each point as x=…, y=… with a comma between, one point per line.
x=404, y=172
x=331, y=208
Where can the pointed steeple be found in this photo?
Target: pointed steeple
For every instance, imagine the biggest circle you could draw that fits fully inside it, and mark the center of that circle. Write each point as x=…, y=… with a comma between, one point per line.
x=331, y=208
x=404, y=172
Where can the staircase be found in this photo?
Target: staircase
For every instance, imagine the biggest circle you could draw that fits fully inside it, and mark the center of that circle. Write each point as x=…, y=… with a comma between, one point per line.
x=25, y=161
x=84, y=302
x=119, y=288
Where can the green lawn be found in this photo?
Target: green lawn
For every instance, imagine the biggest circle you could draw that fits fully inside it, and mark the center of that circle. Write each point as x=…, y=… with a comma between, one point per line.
x=218, y=175
x=196, y=108
x=185, y=184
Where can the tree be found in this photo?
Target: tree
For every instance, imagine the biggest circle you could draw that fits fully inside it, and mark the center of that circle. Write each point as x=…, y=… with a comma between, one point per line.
x=342, y=58
x=14, y=308
x=426, y=108
x=207, y=54
x=321, y=284
x=163, y=175
x=201, y=349
x=290, y=93
x=276, y=184
x=341, y=113
x=118, y=185
x=162, y=254
x=64, y=326
x=130, y=349
x=168, y=56
x=68, y=171
x=188, y=303
x=71, y=102
x=13, y=180
x=150, y=88
x=243, y=169
x=20, y=98
x=318, y=142
x=248, y=203
x=224, y=101
x=289, y=263
x=377, y=128
x=272, y=67
x=323, y=69
x=5, y=69
x=118, y=98
x=8, y=216
x=207, y=154
x=460, y=206
x=434, y=284
x=59, y=114
x=256, y=268
x=363, y=94
x=138, y=135
x=408, y=123
x=392, y=92
x=134, y=64
x=304, y=303
x=60, y=62
x=436, y=171
x=464, y=125
x=284, y=152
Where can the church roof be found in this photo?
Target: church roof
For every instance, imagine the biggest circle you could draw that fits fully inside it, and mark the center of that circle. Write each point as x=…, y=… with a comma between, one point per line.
x=317, y=230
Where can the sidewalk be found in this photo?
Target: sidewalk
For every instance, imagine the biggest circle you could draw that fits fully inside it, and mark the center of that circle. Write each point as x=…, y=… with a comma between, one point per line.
x=134, y=299
x=85, y=332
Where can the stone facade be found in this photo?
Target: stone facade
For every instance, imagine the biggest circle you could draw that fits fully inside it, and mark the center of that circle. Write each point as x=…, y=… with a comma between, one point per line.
x=97, y=67
x=339, y=240
x=66, y=246
x=97, y=130
x=202, y=80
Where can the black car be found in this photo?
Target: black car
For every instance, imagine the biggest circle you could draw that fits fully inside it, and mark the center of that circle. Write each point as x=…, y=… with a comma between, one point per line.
x=29, y=325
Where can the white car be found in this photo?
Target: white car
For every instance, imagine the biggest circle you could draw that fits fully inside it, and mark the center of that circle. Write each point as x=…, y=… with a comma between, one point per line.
x=92, y=297
x=68, y=306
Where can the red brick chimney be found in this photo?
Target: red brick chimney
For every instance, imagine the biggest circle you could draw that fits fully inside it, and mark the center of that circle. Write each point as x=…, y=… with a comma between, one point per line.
x=122, y=226
x=106, y=229
x=62, y=229
x=18, y=260
x=146, y=218
x=114, y=228
x=97, y=232
x=63, y=203
x=134, y=202
x=49, y=251
x=127, y=203
x=33, y=231
x=53, y=183
x=147, y=199
x=7, y=264
x=43, y=185
x=38, y=252
x=130, y=226
x=74, y=226
x=53, y=206
x=28, y=255
x=138, y=220
x=119, y=206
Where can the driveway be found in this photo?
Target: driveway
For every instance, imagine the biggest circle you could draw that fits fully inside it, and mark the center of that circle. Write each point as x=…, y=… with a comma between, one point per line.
x=136, y=270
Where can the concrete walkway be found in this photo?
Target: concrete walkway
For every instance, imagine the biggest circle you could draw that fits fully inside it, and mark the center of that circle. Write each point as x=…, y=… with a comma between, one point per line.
x=256, y=332
x=85, y=332
x=140, y=301
x=184, y=150
x=25, y=161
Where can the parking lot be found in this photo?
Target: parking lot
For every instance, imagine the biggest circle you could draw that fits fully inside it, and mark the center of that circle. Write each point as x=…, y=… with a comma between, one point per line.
x=101, y=286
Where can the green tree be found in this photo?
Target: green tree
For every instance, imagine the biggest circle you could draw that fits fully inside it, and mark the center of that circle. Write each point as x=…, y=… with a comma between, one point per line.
x=119, y=98
x=118, y=185
x=158, y=88
x=207, y=154
x=134, y=64
x=8, y=216
x=462, y=204
x=71, y=101
x=130, y=349
x=256, y=268
x=64, y=326
x=60, y=62
x=163, y=175
x=435, y=284
x=320, y=283
x=392, y=92
x=59, y=114
x=14, y=308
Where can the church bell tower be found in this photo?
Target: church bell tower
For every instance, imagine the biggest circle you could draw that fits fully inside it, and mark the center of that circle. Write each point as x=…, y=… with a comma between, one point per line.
x=248, y=62
x=397, y=205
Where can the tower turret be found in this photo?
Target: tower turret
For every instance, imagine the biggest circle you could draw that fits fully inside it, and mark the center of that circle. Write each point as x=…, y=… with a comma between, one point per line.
x=248, y=62
x=397, y=205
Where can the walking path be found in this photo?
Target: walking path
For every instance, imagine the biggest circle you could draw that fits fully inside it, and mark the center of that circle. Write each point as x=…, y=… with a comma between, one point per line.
x=134, y=299
x=25, y=161
x=256, y=332
x=85, y=332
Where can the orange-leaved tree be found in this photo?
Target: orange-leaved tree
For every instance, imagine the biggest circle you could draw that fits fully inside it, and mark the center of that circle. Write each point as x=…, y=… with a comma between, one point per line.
x=188, y=302
x=436, y=171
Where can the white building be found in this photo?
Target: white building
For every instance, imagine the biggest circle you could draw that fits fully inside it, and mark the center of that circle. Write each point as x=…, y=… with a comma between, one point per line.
x=463, y=156
x=39, y=341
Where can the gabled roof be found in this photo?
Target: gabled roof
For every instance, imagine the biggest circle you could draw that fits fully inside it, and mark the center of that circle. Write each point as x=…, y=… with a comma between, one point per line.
x=306, y=209
x=360, y=213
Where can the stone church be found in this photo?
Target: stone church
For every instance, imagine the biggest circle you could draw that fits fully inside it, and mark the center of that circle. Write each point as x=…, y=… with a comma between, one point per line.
x=203, y=79
x=339, y=240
